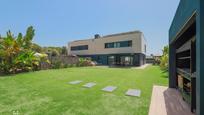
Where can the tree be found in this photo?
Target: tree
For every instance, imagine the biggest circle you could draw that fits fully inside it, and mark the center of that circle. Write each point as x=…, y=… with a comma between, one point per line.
x=9, y=48
x=64, y=50
x=37, y=48
x=53, y=51
x=30, y=33
x=164, y=62
x=16, y=52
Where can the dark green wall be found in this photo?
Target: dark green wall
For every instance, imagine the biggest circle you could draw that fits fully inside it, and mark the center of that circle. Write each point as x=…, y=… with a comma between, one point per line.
x=184, y=12
x=200, y=58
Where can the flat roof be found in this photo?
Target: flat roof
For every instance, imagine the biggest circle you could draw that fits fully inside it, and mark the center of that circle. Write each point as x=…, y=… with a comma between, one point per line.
x=123, y=33
x=111, y=35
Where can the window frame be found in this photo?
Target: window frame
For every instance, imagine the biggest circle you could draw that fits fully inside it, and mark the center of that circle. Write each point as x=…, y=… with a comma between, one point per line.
x=119, y=44
x=79, y=48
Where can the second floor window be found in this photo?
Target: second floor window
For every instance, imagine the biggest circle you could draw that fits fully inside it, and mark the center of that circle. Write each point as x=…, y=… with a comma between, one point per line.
x=82, y=47
x=119, y=44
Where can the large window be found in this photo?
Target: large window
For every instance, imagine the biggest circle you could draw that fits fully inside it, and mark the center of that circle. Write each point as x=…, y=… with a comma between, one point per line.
x=111, y=60
x=119, y=44
x=120, y=60
x=109, y=45
x=126, y=60
x=82, y=47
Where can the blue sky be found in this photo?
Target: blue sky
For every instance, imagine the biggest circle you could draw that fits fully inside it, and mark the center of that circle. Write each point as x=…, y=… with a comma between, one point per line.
x=59, y=21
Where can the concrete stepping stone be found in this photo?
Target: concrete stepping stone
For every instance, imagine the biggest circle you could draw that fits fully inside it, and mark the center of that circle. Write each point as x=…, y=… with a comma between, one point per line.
x=133, y=92
x=89, y=85
x=75, y=82
x=109, y=88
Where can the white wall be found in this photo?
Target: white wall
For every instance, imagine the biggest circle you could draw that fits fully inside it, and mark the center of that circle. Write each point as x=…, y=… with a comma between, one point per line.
x=144, y=43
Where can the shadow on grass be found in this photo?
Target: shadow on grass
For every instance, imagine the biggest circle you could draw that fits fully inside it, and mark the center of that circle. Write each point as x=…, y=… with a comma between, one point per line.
x=14, y=74
x=121, y=67
x=25, y=72
x=165, y=73
x=6, y=75
x=165, y=76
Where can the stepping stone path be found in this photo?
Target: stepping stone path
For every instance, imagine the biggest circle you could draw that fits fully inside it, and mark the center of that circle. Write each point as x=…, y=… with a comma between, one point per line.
x=75, y=82
x=89, y=85
x=109, y=88
x=130, y=92
x=133, y=92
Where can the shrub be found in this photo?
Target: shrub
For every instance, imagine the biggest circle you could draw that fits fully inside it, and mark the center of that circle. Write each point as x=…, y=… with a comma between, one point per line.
x=56, y=65
x=66, y=65
x=85, y=62
x=164, y=62
x=16, y=53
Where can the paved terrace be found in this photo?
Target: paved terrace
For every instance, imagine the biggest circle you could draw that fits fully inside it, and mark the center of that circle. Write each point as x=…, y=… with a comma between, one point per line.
x=167, y=101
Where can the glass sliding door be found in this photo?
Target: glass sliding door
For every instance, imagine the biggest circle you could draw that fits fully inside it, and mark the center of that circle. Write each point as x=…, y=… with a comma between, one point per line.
x=117, y=60
x=126, y=60
x=111, y=60
x=120, y=60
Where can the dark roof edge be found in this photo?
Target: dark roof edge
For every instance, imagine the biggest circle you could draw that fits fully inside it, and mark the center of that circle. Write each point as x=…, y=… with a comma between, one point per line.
x=123, y=33
x=111, y=35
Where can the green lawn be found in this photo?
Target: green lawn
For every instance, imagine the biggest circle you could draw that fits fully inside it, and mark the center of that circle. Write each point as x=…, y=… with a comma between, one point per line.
x=48, y=93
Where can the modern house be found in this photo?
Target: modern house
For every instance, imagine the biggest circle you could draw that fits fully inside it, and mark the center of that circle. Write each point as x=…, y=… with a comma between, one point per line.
x=186, y=61
x=126, y=49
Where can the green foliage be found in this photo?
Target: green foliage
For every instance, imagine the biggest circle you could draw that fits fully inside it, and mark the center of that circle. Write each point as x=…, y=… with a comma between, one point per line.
x=16, y=53
x=164, y=62
x=30, y=33
x=64, y=50
x=85, y=62
x=52, y=51
x=57, y=65
x=37, y=48
x=55, y=51
x=72, y=65
x=81, y=62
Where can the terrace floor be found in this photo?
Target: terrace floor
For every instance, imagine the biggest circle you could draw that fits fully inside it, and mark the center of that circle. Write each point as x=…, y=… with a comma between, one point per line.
x=167, y=101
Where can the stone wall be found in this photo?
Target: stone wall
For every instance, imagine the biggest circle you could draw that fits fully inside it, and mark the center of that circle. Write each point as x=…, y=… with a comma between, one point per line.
x=64, y=59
